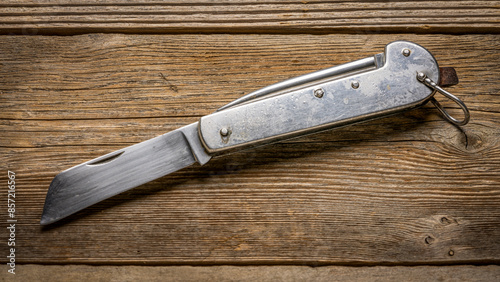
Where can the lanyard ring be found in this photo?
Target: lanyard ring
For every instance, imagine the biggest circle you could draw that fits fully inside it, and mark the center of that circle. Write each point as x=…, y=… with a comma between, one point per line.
x=431, y=84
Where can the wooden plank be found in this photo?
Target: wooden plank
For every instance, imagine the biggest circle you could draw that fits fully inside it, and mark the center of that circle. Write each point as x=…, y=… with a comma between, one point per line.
x=409, y=189
x=245, y=16
x=257, y=273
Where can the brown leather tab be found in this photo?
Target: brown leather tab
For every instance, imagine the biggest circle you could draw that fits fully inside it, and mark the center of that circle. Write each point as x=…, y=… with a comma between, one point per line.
x=447, y=76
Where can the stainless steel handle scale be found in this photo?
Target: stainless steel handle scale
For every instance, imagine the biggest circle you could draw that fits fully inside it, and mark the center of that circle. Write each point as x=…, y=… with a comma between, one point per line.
x=383, y=89
x=401, y=78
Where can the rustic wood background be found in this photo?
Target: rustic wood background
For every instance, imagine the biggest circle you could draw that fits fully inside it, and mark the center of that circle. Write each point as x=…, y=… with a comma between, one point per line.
x=84, y=78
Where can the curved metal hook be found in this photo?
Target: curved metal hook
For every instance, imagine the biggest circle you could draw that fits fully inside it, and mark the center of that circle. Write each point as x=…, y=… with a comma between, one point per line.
x=428, y=82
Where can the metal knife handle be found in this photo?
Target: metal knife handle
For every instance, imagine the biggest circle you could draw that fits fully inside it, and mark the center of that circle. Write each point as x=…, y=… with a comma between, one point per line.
x=344, y=69
x=324, y=104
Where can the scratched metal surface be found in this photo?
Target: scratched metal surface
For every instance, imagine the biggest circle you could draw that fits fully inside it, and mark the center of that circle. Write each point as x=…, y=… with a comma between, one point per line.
x=389, y=89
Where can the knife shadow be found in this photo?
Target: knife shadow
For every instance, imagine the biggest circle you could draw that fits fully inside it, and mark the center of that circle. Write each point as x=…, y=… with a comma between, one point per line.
x=378, y=130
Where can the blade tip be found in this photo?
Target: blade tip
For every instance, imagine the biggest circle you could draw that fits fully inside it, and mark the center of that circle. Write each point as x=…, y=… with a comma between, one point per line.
x=45, y=221
x=47, y=218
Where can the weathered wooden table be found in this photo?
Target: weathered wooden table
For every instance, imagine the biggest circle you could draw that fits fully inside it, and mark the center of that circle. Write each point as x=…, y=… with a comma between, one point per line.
x=411, y=195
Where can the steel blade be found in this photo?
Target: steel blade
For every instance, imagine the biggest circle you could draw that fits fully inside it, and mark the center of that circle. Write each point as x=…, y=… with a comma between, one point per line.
x=86, y=184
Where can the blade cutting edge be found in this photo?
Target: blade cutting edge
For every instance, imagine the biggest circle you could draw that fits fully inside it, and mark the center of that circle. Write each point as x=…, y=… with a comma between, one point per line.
x=91, y=182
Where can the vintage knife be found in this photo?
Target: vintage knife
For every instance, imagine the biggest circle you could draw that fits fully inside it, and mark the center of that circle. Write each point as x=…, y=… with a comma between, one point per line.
x=404, y=77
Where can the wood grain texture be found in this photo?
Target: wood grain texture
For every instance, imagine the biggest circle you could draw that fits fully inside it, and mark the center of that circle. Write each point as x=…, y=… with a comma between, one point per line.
x=257, y=273
x=244, y=16
x=405, y=190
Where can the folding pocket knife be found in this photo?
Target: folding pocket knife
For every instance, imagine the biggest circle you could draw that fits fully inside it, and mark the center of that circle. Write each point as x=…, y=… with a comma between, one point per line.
x=403, y=77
